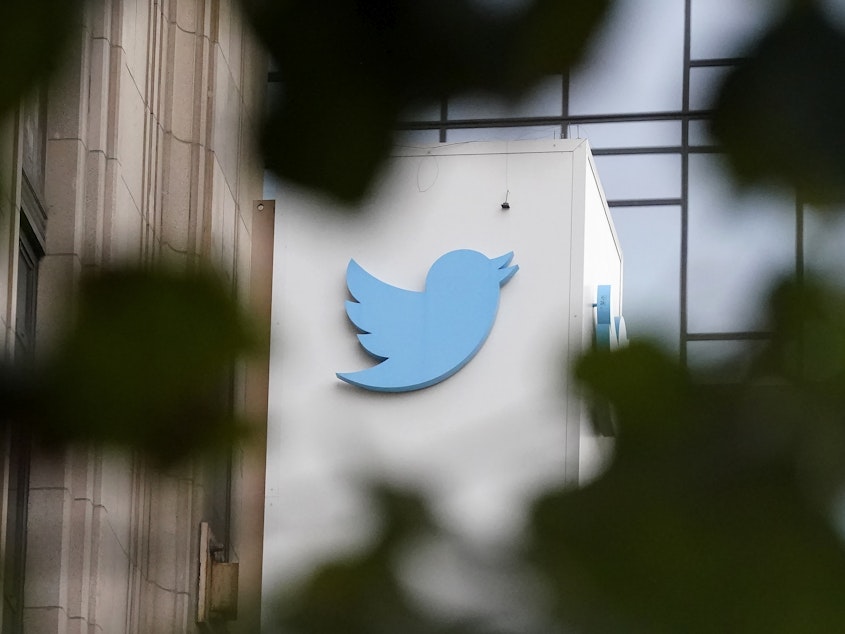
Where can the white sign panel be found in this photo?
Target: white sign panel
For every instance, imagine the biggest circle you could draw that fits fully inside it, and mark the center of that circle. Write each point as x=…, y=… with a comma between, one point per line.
x=498, y=428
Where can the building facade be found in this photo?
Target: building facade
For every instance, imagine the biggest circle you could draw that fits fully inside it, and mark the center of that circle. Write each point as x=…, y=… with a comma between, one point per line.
x=139, y=151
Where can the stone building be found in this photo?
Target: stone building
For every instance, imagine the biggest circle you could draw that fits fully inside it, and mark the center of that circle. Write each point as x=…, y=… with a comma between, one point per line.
x=140, y=150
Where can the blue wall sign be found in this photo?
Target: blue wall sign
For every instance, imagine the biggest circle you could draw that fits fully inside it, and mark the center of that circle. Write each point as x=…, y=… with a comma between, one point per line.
x=424, y=337
x=610, y=331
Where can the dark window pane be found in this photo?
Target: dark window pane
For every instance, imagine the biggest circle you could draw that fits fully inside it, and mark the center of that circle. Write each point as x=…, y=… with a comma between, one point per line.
x=545, y=99
x=824, y=235
x=416, y=137
x=704, y=81
x=721, y=361
x=737, y=244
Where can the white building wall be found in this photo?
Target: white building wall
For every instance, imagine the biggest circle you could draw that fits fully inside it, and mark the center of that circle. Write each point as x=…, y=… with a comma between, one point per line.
x=504, y=426
x=603, y=264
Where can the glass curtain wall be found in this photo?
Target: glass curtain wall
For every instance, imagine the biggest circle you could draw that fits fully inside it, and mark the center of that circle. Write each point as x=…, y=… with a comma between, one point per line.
x=698, y=255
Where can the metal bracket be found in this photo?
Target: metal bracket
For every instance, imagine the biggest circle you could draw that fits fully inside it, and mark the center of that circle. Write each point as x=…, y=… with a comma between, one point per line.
x=217, y=596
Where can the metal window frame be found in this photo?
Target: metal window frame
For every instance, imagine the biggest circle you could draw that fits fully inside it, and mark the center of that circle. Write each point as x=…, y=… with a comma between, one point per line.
x=685, y=116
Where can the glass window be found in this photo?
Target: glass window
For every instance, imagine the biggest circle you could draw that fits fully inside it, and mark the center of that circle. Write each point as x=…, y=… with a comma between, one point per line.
x=699, y=133
x=704, y=82
x=824, y=235
x=738, y=242
x=522, y=133
x=635, y=63
x=629, y=134
x=22, y=329
x=16, y=442
x=723, y=28
x=545, y=99
x=651, y=250
x=640, y=176
x=416, y=137
x=721, y=361
x=28, y=255
x=34, y=138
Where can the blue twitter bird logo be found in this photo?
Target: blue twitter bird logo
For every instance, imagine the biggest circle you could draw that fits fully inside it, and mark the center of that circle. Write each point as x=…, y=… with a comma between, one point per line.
x=422, y=338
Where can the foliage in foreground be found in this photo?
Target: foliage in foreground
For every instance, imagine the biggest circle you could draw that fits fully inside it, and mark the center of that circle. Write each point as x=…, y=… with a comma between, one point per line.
x=718, y=513
x=348, y=81
x=144, y=364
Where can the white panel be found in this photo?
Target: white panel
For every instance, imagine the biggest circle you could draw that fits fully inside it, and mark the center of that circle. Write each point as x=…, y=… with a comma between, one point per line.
x=602, y=259
x=602, y=253
x=481, y=441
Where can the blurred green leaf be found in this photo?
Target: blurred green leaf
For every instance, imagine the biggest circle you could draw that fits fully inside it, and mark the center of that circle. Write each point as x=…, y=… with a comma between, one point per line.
x=650, y=549
x=630, y=378
x=363, y=594
x=33, y=34
x=718, y=513
x=350, y=68
x=806, y=361
x=779, y=113
x=146, y=364
x=551, y=36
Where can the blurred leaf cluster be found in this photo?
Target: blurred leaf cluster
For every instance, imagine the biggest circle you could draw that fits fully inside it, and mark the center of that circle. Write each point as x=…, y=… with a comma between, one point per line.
x=364, y=593
x=346, y=80
x=721, y=509
x=149, y=351
x=33, y=36
x=778, y=115
x=145, y=363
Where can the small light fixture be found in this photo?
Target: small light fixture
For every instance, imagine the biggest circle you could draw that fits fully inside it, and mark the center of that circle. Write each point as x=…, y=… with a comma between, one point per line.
x=506, y=204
